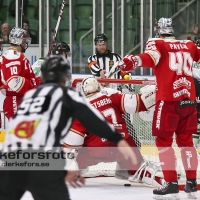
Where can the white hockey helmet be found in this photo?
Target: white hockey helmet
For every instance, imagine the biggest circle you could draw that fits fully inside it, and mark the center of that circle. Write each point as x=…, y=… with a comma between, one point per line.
x=19, y=36
x=164, y=26
x=90, y=85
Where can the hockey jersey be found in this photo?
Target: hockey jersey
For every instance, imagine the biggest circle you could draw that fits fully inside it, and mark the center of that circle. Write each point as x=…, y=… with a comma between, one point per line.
x=112, y=104
x=172, y=64
x=16, y=73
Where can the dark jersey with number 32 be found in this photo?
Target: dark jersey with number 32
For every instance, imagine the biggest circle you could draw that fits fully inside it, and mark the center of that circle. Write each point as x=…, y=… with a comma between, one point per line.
x=45, y=116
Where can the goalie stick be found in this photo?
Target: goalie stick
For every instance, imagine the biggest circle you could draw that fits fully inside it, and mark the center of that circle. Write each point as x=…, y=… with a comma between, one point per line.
x=113, y=70
x=57, y=25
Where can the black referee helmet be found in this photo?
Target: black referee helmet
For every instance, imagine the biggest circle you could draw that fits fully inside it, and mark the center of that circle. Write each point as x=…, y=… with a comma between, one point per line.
x=101, y=38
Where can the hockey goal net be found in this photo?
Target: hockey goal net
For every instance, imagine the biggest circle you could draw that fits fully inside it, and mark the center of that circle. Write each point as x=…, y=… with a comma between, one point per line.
x=139, y=127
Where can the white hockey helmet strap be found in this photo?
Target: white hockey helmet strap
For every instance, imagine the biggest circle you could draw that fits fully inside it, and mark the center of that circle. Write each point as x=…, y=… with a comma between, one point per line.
x=90, y=85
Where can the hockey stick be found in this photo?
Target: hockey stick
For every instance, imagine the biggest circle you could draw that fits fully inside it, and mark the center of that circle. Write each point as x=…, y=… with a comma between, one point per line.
x=114, y=70
x=57, y=25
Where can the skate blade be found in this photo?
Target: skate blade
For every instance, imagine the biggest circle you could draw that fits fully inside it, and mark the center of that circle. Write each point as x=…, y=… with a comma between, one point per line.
x=192, y=195
x=167, y=197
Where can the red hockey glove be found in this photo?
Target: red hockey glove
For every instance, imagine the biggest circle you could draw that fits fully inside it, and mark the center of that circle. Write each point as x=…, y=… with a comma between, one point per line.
x=38, y=80
x=128, y=63
x=33, y=83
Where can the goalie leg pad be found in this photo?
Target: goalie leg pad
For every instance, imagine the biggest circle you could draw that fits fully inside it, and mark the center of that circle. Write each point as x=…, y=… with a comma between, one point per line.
x=149, y=174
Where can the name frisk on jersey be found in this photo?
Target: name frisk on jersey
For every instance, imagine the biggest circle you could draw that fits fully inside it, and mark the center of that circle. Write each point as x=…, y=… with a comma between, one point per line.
x=102, y=102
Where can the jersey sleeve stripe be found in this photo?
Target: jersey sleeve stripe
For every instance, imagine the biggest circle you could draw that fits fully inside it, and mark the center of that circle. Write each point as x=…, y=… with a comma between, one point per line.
x=92, y=63
x=138, y=103
x=71, y=146
x=77, y=132
x=122, y=103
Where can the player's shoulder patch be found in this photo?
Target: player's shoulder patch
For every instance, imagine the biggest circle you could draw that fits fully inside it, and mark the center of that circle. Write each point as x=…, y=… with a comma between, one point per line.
x=12, y=54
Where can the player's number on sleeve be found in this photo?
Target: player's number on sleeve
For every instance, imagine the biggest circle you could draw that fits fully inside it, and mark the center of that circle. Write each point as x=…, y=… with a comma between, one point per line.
x=31, y=105
x=13, y=70
x=181, y=62
x=110, y=112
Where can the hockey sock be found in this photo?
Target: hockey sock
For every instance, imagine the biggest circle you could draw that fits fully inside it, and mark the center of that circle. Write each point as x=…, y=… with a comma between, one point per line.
x=190, y=161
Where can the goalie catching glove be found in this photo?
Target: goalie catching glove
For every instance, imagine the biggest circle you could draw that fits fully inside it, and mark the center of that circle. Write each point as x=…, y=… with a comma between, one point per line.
x=148, y=95
x=128, y=63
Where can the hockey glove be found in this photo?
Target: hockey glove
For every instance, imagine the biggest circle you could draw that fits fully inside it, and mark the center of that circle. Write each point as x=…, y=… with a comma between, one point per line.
x=128, y=63
x=38, y=80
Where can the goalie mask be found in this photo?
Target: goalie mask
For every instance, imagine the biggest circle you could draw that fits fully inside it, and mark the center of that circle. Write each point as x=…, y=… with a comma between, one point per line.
x=19, y=36
x=197, y=41
x=61, y=47
x=55, y=69
x=90, y=85
x=164, y=27
x=1, y=46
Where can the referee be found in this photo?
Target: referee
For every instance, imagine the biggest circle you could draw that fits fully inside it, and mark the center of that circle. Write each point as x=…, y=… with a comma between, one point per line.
x=43, y=119
x=101, y=63
x=104, y=59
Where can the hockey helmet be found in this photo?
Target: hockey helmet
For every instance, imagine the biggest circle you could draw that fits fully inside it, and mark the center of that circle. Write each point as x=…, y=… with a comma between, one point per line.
x=1, y=46
x=90, y=85
x=101, y=38
x=61, y=47
x=19, y=36
x=164, y=26
x=55, y=68
x=197, y=41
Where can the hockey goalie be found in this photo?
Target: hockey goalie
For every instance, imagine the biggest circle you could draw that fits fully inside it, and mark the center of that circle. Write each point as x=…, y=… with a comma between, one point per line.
x=112, y=104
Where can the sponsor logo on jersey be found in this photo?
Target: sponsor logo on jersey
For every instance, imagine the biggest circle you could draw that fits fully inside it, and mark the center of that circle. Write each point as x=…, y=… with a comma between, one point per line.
x=182, y=82
x=187, y=103
x=14, y=104
x=102, y=102
x=25, y=128
x=181, y=92
x=189, y=156
x=159, y=114
x=111, y=63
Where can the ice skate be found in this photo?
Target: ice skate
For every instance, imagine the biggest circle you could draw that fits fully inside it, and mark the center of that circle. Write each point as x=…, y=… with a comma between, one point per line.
x=191, y=188
x=167, y=192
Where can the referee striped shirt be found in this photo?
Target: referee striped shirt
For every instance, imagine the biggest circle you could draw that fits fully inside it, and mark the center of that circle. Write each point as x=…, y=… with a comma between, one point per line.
x=98, y=62
x=45, y=116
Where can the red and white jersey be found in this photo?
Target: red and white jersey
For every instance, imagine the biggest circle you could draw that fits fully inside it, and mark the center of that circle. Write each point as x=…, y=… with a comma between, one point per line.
x=112, y=104
x=16, y=73
x=172, y=65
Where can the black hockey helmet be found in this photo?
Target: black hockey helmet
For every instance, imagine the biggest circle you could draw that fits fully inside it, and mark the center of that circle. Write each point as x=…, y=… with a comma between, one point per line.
x=55, y=69
x=101, y=38
x=60, y=47
x=197, y=41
